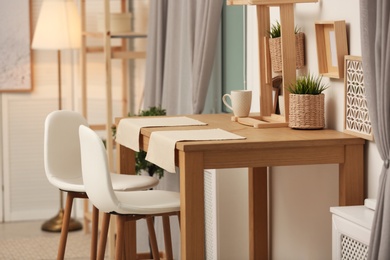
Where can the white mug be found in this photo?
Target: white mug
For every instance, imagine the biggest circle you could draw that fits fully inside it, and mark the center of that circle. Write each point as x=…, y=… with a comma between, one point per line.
x=241, y=102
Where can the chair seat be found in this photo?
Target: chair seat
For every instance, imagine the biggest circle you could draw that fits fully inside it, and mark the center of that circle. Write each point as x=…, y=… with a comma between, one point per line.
x=124, y=182
x=120, y=182
x=148, y=202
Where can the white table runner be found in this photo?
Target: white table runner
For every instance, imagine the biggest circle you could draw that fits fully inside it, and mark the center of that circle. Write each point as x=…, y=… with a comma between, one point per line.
x=162, y=144
x=128, y=130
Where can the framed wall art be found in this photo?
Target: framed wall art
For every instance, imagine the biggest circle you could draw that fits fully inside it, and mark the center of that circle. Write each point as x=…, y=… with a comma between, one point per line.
x=332, y=46
x=357, y=120
x=15, y=51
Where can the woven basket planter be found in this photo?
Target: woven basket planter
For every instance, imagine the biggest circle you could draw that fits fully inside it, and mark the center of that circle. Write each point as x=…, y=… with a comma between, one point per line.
x=276, y=52
x=307, y=111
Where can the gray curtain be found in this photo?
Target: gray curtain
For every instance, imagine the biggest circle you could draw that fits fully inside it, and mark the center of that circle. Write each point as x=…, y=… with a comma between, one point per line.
x=375, y=33
x=182, y=41
x=155, y=53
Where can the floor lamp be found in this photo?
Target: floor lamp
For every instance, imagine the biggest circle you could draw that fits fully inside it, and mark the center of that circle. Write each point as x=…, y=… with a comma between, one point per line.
x=58, y=28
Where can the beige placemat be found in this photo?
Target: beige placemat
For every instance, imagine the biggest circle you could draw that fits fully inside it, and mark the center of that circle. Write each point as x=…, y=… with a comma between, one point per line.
x=128, y=130
x=162, y=144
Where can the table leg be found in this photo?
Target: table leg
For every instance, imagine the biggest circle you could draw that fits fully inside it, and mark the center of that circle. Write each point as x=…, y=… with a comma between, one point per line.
x=125, y=160
x=192, y=205
x=258, y=213
x=130, y=240
x=351, y=176
x=125, y=165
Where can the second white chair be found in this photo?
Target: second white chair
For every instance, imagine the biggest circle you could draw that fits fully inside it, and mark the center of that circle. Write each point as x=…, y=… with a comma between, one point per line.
x=127, y=206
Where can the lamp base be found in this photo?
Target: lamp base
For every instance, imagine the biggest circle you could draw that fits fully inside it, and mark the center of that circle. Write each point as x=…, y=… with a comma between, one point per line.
x=55, y=224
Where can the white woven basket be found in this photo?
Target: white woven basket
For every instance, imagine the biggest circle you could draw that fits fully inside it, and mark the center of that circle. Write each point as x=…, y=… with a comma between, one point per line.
x=307, y=111
x=276, y=52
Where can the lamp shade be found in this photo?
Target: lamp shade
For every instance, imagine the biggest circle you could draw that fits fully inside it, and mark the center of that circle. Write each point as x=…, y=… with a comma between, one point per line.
x=58, y=26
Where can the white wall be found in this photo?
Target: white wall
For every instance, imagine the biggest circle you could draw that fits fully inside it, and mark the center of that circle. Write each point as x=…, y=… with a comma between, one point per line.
x=232, y=213
x=301, y=195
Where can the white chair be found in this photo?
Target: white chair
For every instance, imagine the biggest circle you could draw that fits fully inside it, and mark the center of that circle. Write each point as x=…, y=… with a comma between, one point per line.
x=63, y=169
x=127, y=206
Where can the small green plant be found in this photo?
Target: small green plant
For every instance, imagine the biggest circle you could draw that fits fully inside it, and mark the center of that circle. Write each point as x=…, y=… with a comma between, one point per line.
x=309, y=85
x=152, y=111
x=140, y=162
x=275, y=31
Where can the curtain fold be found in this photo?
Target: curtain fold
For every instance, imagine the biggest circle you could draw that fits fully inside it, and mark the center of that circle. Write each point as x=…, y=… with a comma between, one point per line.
x=205, y=42
x=182, y=41
x=156, y=49
x=375, y=34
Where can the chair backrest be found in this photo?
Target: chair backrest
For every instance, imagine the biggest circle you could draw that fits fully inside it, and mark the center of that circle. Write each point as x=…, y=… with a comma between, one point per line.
x=95, y=171
x=61, y=144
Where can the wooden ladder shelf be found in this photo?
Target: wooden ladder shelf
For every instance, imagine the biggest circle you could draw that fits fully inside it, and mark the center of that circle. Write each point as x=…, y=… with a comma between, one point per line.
x=266, y=118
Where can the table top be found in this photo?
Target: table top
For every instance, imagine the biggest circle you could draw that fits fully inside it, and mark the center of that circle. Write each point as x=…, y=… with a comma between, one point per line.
x=262, y=148
x=283, y=137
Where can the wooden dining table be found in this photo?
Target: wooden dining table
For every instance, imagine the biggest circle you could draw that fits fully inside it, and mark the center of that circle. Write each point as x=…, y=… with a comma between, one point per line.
x=261, y=148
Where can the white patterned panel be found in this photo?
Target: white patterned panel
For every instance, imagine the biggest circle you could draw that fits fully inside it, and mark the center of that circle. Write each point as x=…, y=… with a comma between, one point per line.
x=353, y=249
x=351, y=229
x=210, y=205
x=357, y=120
x=27, y=193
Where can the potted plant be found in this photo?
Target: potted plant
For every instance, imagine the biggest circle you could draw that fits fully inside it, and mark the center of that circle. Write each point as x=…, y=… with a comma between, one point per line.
x=141, y=164
x=275, y=47
x=307, y=103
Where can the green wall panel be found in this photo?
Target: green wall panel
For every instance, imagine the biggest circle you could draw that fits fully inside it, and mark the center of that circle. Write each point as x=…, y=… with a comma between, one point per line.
x=233, y=49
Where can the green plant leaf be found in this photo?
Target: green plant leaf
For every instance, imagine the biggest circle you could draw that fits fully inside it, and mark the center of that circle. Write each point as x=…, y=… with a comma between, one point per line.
x=276, y=31
x=309, y=85
x=140, y=162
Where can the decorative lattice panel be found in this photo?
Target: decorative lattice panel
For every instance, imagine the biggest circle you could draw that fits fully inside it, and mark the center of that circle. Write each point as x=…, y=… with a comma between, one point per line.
x=353, y=249
x=357, y=120
x=210, y=214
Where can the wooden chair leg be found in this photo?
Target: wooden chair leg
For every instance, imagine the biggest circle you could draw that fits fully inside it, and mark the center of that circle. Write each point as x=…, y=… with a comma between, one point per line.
x=65, y=226
x=127, y=250
x=94, y=233
x=111, y=238
x=103, y=236
x=167, y=237
x=131, y=239
x=86, y=219
x=120, y=226
x=152, y=238
x=178, y=216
